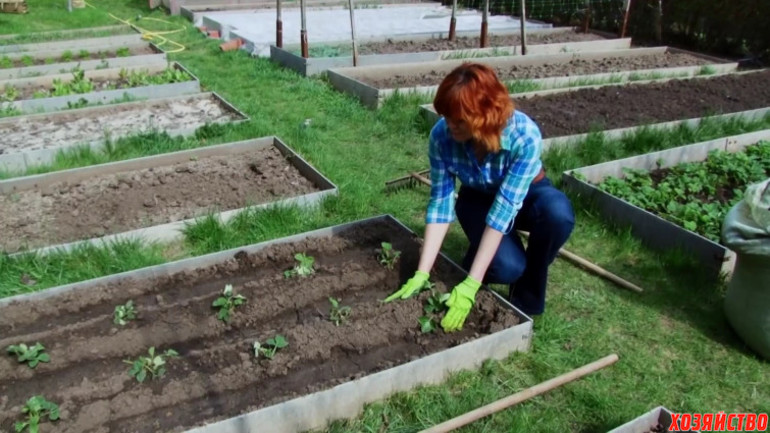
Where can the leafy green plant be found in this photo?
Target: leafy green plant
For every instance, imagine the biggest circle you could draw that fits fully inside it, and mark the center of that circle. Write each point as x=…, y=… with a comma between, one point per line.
x=428, y=324
x=6, y=62
x=27, y=61
x=436, y=302
x=270, y=347
x=66, y=56
x=31, y=355
x=303, y=268
x=154, y=365
x=37, y=408
x=227, y=303
x=434, y=306
x=387, y=255
x=10, y=93
x=84, y=54
x=698, y=195
x=124, y=313
x=338, y=314
x=123, y=52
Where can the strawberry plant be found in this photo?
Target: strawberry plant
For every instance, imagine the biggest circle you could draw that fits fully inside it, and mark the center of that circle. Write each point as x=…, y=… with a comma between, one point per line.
x=303, y=268
x=434, y=306
x=37, y=408
x=5, y=62
x=84, y=54
x=428, y=324
x=31, y=355
x=66, y=56
x=124, y=313
x=338, y=314
x=271, y=346
x=10, y=93
x=697, y=195
x=27, y=61
x=436, y=303
x=387, y=255
x=227, y=303
x=123, y=52
x=154, y=365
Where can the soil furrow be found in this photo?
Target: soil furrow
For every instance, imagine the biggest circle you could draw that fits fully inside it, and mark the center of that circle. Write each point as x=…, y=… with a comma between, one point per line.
x=119, y=202
x=638, y=104
x=568, y=69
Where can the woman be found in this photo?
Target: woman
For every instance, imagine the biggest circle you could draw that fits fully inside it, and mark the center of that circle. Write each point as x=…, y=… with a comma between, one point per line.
x=495, y=152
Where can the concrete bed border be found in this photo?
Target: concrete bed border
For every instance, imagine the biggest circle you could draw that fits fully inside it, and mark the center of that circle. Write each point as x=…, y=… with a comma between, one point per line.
x=342, y=401
x=159, y=56
x=25, y=160
x=58, y=46
x=44, y=105
x=346, y=80
x=659, y=415
x=317, y=65
x=194, y=12
x=654, y=231
x=170, y=232
x=128, y=29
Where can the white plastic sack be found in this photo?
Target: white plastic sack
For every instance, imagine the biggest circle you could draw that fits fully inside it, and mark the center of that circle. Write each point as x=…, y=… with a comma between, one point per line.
x=746, y=230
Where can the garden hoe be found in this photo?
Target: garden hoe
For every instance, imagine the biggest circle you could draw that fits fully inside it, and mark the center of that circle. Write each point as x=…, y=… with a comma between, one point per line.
x=415, y=178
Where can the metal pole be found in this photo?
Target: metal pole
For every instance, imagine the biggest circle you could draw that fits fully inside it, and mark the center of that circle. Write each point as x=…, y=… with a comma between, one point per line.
x=523, y=13
x=278, y=25
x=484, y=24
x=353, y=32
x=303, y=31
x=453, y=21
x=625, y=19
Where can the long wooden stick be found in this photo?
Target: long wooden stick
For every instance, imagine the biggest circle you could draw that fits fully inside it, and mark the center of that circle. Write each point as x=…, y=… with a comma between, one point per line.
x=625, y=19
x=484, y=24
x=574, y=258
x=523, y=14
x=278, y=25
x=303, y=30
x=453, y=21
x=521, y=396
x=353, y=32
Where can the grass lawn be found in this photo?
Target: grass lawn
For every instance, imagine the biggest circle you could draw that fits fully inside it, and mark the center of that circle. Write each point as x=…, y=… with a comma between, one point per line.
x=674, y=344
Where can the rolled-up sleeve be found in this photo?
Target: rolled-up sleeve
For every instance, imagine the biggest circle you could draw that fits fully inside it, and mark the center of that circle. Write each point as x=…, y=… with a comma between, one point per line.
x=441, y=204
x=515, y=186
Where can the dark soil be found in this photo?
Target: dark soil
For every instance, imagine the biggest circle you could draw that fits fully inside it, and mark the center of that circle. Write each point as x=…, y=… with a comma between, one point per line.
x=141, y=198
x=637, y=104
x=568, y=69
x=658, y=428
x=461, y=43
x=133, y=51
x=217, y=375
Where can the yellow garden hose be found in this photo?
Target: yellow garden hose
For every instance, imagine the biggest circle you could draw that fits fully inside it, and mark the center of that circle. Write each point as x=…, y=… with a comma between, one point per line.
x=149, y=34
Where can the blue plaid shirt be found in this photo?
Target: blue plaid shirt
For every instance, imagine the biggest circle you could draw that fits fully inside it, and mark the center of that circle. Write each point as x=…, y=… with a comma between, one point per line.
x=508, y=173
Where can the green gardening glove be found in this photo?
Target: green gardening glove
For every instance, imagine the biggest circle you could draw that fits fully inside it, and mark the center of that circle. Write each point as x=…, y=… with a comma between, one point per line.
x=460, y=302
x=412, y=286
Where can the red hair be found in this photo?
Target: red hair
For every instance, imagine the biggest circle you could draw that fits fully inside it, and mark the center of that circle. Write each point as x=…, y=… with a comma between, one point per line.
x=472, y=93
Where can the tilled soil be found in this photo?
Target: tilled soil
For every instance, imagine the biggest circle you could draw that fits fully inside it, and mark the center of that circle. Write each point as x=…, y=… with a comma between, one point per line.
x=66, y=128
x=460, y=43
x=637, y=104
x=217, y=375
x=96, y=55
x=568, y=69
x=119, y=202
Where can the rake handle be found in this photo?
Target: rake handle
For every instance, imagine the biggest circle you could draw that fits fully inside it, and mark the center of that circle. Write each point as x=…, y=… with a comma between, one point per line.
x=521, y=396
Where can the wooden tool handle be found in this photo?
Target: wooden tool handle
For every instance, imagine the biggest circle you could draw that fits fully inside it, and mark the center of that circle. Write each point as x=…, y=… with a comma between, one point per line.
x=521, y=396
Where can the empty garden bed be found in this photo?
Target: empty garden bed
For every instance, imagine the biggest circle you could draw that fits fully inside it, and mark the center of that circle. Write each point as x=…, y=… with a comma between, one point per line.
x=610, y=107
x=372, y=84
x=30, y=140
x=117, y=198
x=218, y=382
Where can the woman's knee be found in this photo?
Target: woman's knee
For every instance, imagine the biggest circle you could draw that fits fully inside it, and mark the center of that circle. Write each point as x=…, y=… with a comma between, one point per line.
x=506, y=268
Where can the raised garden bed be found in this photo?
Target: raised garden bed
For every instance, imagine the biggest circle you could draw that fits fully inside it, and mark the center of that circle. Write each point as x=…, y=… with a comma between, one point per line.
x=59, y=35
x=566, y=116
x=153, y=197
x=372, y=84
x=399, y=50
x=50, y=48
x=216, y=384
x=35, y=139
x=669, y=206
x=657, y=420
x=25, y=66
x=81, y=88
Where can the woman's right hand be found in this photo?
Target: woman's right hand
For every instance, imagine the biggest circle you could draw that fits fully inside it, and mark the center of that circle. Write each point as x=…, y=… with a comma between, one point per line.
x=412, y=286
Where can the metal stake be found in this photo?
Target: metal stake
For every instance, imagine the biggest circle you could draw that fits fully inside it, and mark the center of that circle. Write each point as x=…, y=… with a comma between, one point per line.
x=278, y=25
x=523, y=28
x=484, y=24
x=353, y=32
x=453, y=21
x=303, y=31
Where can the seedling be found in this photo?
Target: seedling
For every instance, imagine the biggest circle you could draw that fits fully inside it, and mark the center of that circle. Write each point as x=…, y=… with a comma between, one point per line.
x=31, y=355
x=227, y=303
x=37, y=407
x=123, y=52
x=84, y=54
x=427, y=324
x=124, y=313
x=436, y=303
x=338, y=314
x=303, y=268
x=27, y=60
x=154, y=365
x=388, y=256
x=270, y=347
